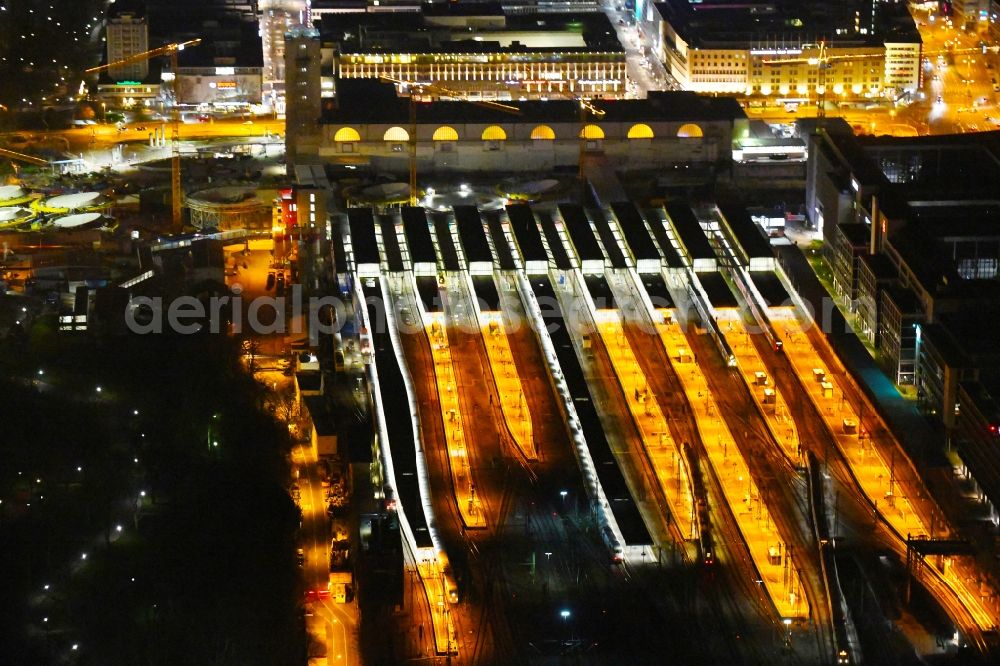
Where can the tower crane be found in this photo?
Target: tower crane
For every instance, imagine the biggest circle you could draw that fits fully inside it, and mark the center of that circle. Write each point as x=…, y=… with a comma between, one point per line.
x=822, y=62
x=428, y=88
x=21, y=157
x=169, y=50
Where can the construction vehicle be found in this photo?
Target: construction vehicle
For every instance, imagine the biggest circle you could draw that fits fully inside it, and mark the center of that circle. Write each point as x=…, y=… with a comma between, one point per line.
x=170, y=51
x=340, y=583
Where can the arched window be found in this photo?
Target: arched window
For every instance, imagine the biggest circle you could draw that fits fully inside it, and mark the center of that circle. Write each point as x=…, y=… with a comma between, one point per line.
x=347, y=134
x=397, y=134
x=494, y=133
x=640, y=131
x=543, y=132
x=445, y=133
x=591, y=132
x=690, y=131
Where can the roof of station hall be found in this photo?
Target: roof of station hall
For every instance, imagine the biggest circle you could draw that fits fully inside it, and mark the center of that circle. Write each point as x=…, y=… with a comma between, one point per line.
x=371, y=102
x=434, y=30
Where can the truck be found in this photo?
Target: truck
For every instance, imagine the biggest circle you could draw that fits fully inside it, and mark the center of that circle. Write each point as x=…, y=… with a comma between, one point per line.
x=340, y=585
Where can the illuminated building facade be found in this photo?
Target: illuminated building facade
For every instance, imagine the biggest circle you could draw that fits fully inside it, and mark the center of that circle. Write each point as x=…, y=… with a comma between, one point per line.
x=774, y=50
x=278, y=17
x=972, y=14
x=480, y=52
x=219, y=86
x=367, y=124
x=127, y=35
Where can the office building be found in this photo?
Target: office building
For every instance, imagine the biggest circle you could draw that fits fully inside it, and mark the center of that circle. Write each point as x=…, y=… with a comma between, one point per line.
x=912, y=234
x=278, y=17
x=127, y=35
x=479, y=51
x=784, y=51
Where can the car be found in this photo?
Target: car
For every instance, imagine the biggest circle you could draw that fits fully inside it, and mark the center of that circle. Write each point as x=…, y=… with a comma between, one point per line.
x=270, y=281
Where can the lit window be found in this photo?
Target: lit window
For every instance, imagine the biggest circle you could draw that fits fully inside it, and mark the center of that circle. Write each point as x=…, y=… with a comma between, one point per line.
x=640, y=131
x=445, y=133
x=396, y=134
x=347, y=134
x=543, y=132
x=690, y=131
x=494, y=133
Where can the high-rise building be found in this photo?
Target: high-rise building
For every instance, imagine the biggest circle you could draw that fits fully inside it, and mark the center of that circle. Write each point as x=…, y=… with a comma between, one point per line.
x=278, y=17
x=127, y=35
x=302, y=131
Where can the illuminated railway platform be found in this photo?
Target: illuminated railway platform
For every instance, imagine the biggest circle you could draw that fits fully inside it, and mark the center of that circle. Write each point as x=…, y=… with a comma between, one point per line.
x=766, y=394
x=513, y=404
x=437, y=587
x=881, y=470
x=665, y=456
x=772, y=559
x=470, y=505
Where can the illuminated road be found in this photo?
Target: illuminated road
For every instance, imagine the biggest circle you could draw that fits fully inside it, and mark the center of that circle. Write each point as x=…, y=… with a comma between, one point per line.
x=339, y=622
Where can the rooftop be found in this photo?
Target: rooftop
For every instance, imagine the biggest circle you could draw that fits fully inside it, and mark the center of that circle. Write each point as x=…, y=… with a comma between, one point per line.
x=419, y=33
x=778, y=24
x=905, y=300
x=322, y=417
x=858, y=234
x=985, y=393
x=974, y=332
x=368, y=101
x=880, y=266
